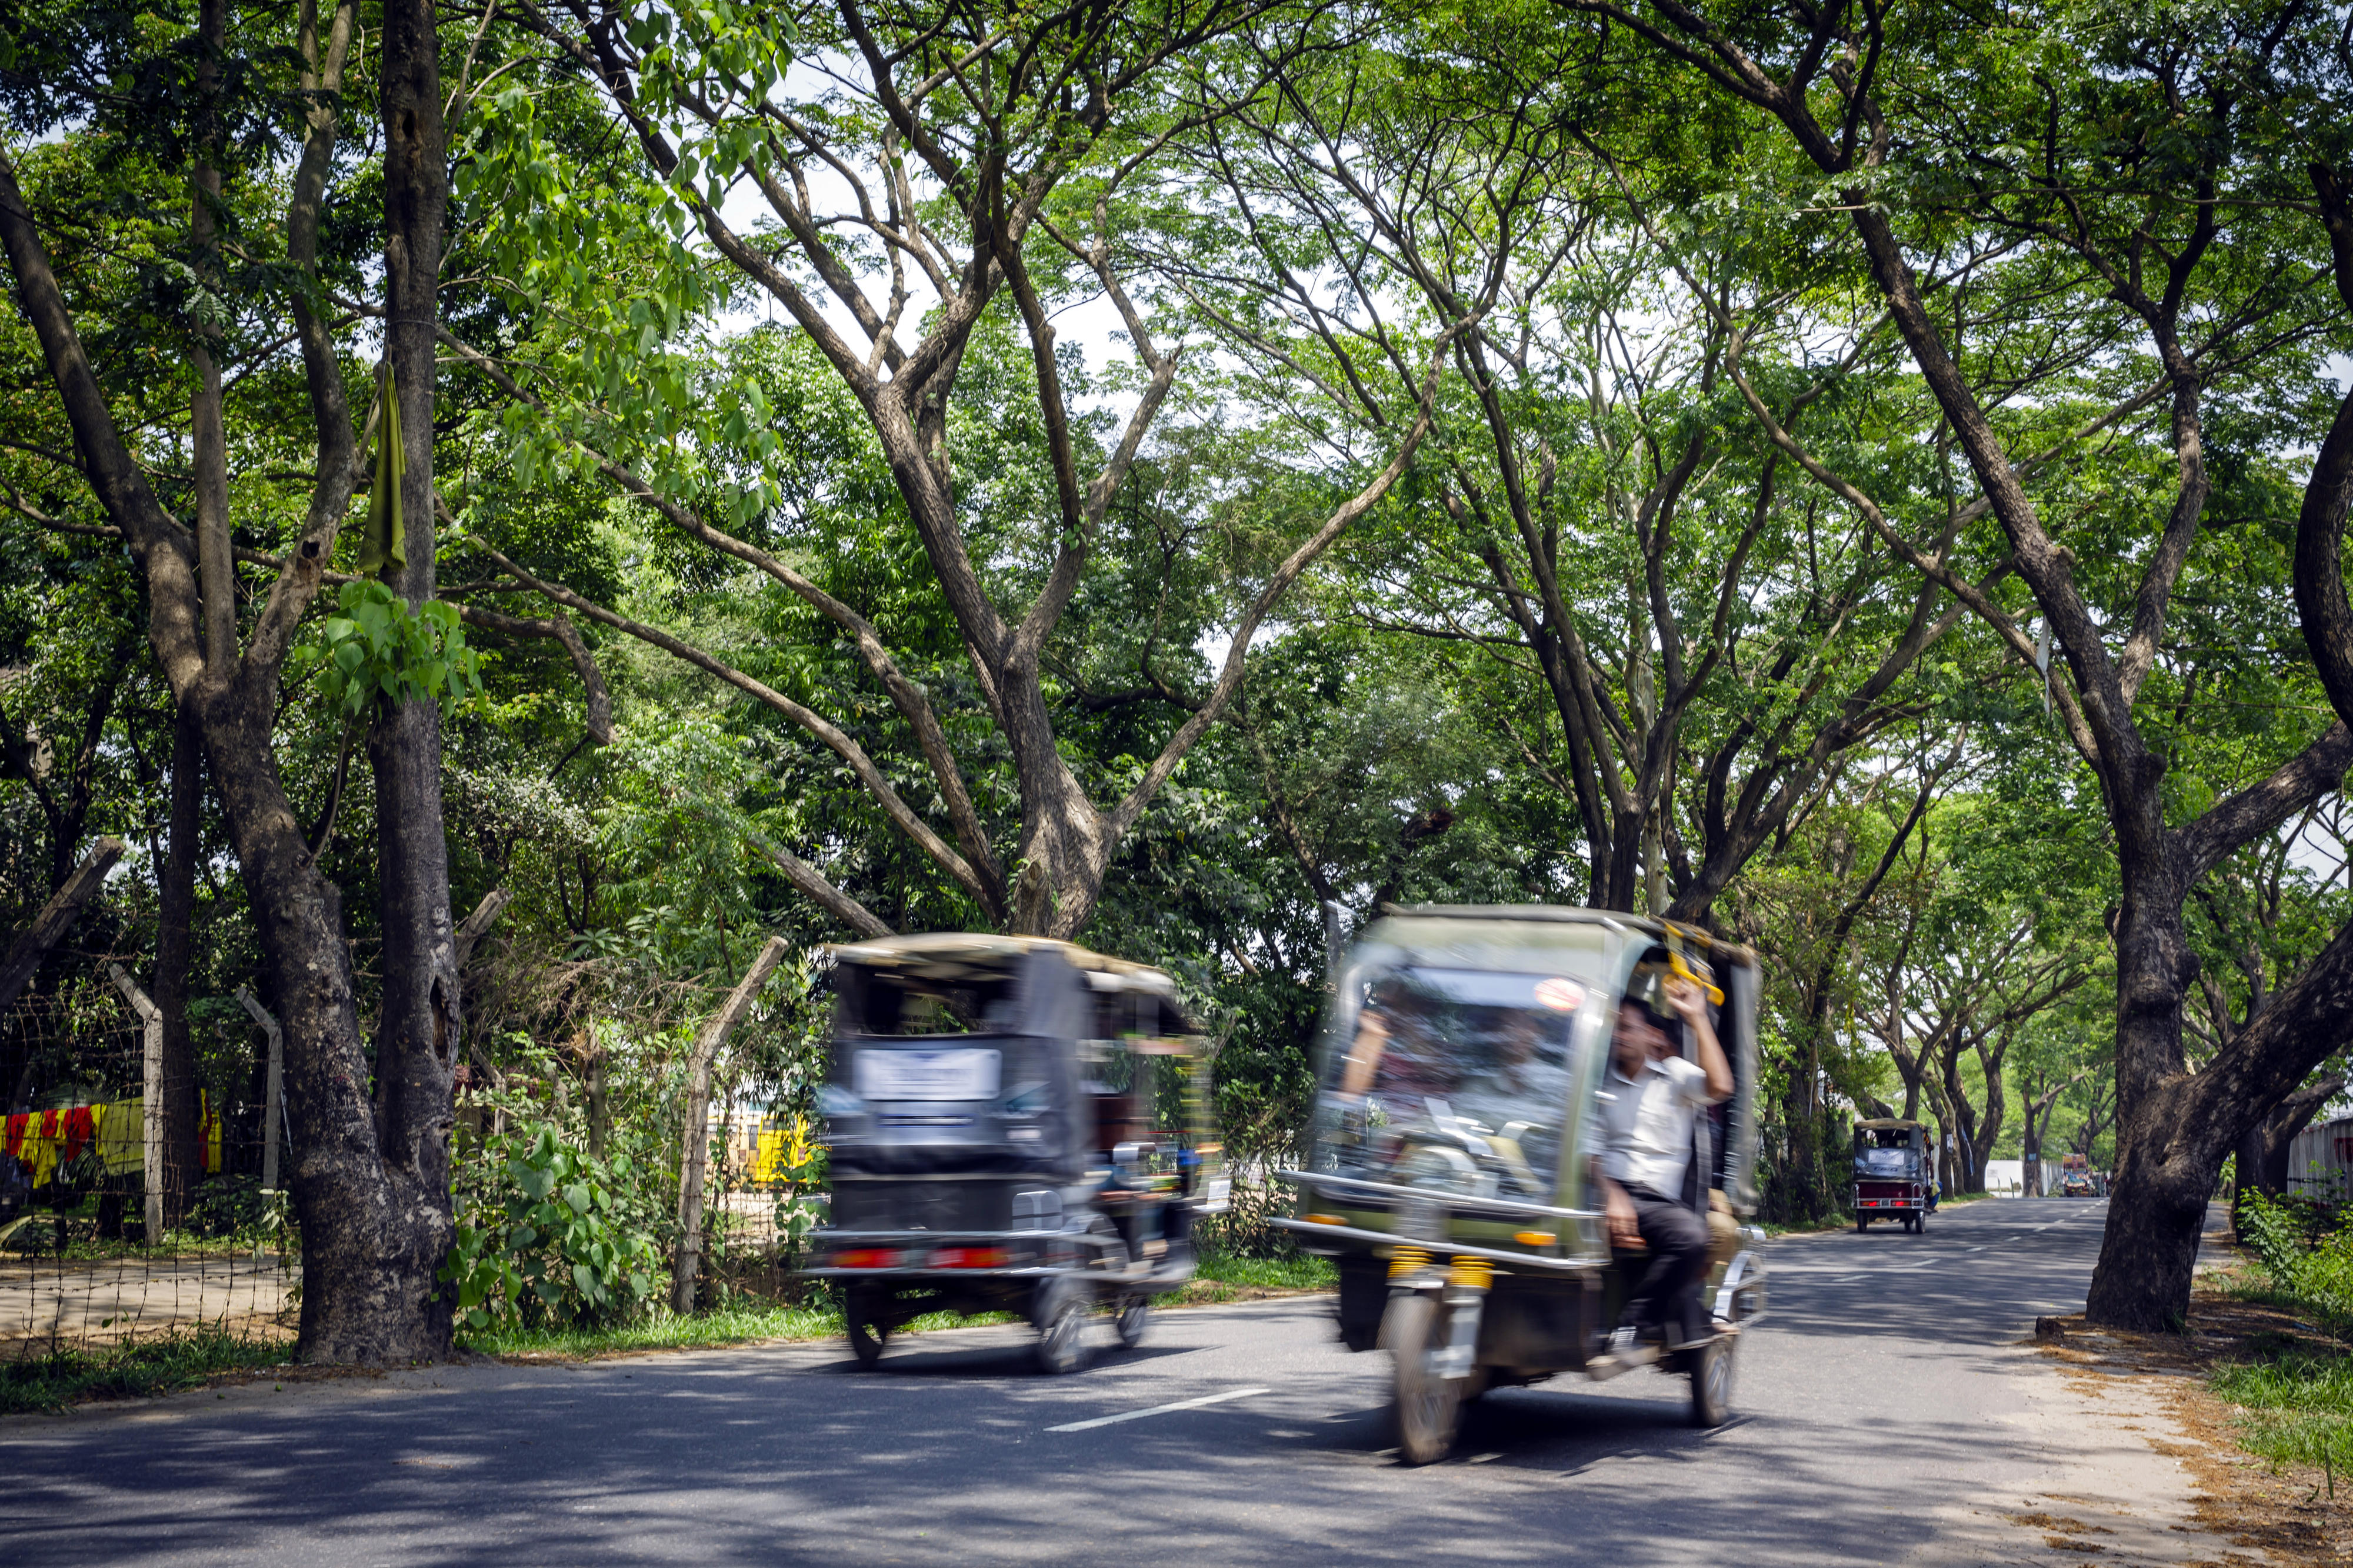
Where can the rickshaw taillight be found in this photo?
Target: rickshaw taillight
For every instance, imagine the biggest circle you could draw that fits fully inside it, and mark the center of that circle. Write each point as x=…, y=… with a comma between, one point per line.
x=867, y=1258
x=969, y=1257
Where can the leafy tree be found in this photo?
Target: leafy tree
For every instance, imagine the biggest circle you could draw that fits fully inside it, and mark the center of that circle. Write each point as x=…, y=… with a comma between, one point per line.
x=2138, y=162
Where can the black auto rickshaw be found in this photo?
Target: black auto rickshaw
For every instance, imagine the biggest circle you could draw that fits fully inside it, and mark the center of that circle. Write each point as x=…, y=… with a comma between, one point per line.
x=1892, y=1174
x=1012, y=1124
x=1452, y=1178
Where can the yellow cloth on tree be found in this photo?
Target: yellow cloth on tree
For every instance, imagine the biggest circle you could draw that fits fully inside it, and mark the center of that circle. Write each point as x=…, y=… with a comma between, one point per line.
x=381, y=546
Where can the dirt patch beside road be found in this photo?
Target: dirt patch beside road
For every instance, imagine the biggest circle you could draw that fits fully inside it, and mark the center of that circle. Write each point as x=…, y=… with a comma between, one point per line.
x=2287, y=1514
x=79, y=1304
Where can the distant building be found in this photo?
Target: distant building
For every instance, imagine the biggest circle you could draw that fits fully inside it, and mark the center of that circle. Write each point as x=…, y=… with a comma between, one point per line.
x=2320, y=1160
x=2007, y=1178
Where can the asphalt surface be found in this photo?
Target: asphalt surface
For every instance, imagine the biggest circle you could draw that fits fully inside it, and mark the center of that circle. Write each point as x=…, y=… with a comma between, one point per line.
x=1885, y=1382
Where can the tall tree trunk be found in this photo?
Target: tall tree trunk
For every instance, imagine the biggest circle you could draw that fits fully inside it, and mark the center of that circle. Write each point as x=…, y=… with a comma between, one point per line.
x=183, y=1159
x=369, y=1241
x=2149, y=1249
x=420, y=1030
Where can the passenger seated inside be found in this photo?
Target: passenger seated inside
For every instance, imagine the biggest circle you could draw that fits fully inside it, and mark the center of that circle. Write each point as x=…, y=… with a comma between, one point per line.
x=1122, y=1134
x=1650, y=1101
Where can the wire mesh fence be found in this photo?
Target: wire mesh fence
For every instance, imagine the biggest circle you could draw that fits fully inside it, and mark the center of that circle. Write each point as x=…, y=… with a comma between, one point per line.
x=139, y=1178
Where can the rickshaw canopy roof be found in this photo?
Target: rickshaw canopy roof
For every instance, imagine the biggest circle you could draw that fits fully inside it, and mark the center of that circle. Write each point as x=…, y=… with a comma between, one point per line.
x=1421, y=922
x=1890, y=1124
x=960, y=956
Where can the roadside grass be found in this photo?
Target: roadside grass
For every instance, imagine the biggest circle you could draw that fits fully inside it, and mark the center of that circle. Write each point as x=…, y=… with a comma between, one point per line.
x=2293, y=1395
x=1221, y=1278
x=167, y=1362
x=1808, y=1226
x=2296, y=1408
x=663, y=1329
x=1299, y=1271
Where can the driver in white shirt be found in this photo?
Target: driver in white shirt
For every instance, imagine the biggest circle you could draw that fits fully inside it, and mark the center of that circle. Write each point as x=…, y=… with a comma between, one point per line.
x=1648, y=1121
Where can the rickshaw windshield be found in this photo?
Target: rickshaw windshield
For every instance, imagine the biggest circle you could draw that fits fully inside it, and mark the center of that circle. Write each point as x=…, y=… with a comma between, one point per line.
x=1455, y=1078
x=1888, y=1162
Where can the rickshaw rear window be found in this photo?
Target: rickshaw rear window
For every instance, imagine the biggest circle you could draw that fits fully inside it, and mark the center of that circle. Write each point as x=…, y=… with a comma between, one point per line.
x=1884, y=1161
x=917, y=1006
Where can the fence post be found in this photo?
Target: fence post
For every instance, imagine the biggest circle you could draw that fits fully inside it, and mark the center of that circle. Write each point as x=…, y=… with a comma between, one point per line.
x=696, y=1134
x=151, y=1018
x=272, y=1113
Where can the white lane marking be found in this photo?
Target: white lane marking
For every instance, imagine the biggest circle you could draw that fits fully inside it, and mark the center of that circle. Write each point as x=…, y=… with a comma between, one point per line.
x=1157, y=1410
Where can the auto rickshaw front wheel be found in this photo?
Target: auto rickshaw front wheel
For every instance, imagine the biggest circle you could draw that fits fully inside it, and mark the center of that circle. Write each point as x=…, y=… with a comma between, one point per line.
x=864, y=1314
x=1428, y=1406
x=1711, y=1377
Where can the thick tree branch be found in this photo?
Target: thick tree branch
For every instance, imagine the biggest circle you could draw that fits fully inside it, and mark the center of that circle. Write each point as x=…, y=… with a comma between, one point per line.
x=817, y=725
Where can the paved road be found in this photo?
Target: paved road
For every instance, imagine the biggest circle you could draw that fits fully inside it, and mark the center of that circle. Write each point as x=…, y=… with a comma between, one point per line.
x=1885, y=1385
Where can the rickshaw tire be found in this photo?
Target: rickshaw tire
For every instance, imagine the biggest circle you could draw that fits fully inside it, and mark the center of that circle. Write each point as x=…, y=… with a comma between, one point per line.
x=1062, y=1330
x=1134, y=1318
x=1712, y=1370
x=1860, y=1225
x=867, y=1327
x=1427, y=1409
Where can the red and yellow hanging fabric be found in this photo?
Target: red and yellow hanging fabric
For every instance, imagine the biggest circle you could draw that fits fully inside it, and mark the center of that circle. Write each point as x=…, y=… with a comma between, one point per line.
x=43, y=1141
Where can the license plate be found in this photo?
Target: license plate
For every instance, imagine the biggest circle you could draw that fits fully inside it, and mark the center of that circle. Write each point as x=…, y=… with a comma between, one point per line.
x=965, y=1073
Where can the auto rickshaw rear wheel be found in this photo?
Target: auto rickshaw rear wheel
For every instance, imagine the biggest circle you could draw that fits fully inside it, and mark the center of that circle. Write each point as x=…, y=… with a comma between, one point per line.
x=1861, y=1223
x=1429, y=1407
x=1061, y=1320
x=1134, y=1316
x=864, y=1313
x=1711, y=1367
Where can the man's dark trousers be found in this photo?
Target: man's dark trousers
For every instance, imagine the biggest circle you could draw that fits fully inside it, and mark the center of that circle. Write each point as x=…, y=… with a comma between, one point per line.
x=1668, y=1297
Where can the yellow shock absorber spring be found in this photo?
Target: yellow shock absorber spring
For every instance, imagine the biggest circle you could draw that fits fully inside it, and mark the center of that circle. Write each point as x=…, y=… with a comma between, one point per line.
x=1407, y=1260
x=1470, y=1274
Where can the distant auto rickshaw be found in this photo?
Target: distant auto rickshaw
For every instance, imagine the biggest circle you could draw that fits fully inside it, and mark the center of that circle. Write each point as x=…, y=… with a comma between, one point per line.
x=1892, y=1179
x=2075, y=1178
x=1013, y=1124
x=1453, y=1177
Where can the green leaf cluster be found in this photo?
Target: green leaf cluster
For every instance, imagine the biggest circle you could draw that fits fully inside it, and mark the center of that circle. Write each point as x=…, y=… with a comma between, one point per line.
x=562, y=1239
x=381, y=649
